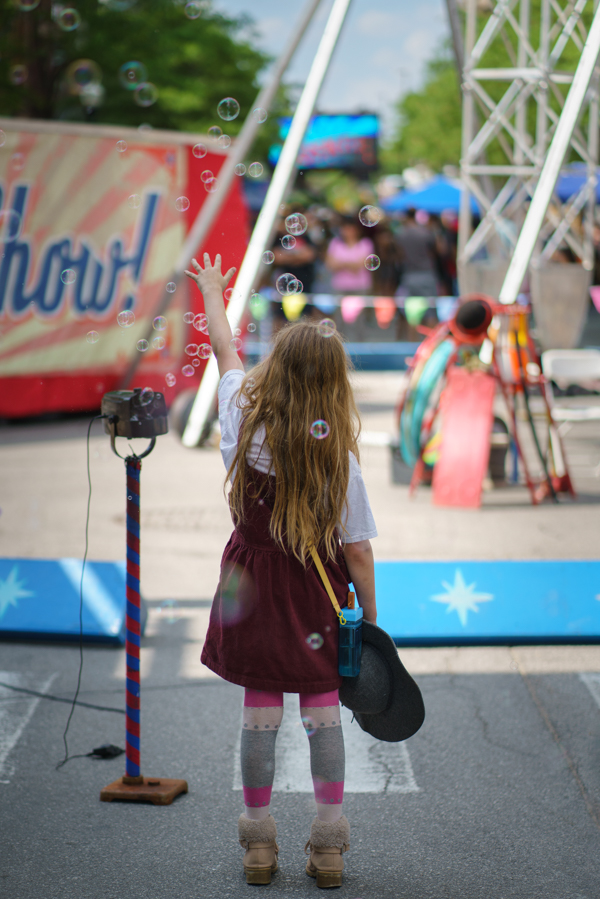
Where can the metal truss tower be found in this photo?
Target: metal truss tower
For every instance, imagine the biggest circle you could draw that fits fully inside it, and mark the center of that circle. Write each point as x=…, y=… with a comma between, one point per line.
x=521, y=57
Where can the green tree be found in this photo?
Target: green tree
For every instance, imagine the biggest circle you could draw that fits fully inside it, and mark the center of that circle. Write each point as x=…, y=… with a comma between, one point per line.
x=192, y=62
x=429, y=120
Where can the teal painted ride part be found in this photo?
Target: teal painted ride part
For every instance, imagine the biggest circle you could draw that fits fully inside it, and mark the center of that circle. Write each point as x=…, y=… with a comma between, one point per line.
x=411, y=420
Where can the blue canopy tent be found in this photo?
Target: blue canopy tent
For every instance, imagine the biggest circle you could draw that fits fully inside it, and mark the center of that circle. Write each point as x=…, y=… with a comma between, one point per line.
x=434, y=196
x=571, y=179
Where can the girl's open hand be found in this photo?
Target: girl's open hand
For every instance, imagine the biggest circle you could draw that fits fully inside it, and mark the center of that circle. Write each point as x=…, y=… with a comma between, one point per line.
x=210, y=277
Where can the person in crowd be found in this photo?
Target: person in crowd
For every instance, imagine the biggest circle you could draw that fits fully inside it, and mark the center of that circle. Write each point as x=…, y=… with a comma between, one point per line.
x=272, y=628
x=346, y=257
x=418, y=249
x=387, y=277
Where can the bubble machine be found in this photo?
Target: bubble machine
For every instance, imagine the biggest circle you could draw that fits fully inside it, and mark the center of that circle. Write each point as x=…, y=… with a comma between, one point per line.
x=135, y=413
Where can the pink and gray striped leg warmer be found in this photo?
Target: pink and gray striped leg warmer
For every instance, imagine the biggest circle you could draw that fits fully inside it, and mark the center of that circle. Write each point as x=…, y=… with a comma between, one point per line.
x=262, y=716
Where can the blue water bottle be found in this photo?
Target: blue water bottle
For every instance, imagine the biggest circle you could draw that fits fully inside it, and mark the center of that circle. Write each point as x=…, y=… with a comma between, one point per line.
x=350, y=639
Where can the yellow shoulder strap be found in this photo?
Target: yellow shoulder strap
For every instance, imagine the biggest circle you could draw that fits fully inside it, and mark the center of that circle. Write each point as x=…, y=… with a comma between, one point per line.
x=327, y=585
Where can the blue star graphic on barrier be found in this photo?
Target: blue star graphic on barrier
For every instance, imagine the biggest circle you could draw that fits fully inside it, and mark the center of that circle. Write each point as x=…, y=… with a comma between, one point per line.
x=11, y=590
x=461, y=598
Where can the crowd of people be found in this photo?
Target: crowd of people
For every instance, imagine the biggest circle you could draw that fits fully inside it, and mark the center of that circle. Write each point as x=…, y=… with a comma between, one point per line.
x=416, y=255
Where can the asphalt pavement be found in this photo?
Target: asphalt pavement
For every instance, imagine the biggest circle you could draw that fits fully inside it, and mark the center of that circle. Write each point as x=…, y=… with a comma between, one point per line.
x=497, y=797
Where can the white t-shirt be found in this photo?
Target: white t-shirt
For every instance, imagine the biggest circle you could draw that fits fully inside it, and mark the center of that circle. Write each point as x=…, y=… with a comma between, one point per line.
x=359, y=522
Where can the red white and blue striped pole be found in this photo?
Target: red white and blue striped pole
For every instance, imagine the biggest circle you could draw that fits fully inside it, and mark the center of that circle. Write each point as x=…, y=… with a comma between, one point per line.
x=133, y=466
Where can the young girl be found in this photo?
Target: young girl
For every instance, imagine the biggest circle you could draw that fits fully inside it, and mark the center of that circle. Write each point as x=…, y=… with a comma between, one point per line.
x=289, y=441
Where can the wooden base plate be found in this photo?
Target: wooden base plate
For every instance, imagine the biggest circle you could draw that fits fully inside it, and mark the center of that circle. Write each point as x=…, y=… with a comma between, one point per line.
x=159, y=790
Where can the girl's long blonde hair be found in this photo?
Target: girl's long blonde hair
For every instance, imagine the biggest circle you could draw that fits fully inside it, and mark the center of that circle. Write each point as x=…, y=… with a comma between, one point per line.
x=304, y=380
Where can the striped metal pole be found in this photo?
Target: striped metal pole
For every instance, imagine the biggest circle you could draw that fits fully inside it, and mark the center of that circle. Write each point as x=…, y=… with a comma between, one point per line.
x=133, y=467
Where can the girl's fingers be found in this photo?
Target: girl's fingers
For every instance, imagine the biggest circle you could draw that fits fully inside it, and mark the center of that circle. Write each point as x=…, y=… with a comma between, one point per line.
x=207, y=261
x=227, y=278
x=196, y=265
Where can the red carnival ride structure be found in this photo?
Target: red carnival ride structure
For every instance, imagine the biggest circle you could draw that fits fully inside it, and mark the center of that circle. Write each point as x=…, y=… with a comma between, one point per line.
x=92, y=219
x=446, y=415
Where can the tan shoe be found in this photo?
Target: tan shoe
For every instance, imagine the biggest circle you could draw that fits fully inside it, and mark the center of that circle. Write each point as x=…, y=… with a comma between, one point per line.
x=258, y=839
x=327, y=844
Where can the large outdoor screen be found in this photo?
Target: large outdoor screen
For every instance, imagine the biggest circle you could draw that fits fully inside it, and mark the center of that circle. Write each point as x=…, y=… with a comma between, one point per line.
x=335, y=142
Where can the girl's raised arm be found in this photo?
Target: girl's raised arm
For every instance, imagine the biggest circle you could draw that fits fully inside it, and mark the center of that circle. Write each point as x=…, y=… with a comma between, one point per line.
x=212, y=284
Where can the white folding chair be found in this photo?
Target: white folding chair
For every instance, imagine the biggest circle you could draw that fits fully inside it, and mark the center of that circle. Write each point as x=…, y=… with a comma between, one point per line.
x=569, y=367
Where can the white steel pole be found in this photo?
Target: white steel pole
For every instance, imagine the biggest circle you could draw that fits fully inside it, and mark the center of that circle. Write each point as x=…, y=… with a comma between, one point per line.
x=284, y=170
x=551, y=168
x=243, y=142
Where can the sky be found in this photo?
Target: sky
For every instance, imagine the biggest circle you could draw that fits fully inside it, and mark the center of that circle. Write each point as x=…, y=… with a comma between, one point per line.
x=380, y=55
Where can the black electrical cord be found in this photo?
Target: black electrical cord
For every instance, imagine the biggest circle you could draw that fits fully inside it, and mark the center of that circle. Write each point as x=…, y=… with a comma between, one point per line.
x=87, y=525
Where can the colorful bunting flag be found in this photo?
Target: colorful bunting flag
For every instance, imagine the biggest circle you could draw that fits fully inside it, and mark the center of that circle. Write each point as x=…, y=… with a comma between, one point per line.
x=351, y=308
x=414, y=309
x=293, y=306
x=385, y=310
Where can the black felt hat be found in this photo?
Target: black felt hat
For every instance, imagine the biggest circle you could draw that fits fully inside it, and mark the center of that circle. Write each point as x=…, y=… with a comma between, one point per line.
x=384, y=698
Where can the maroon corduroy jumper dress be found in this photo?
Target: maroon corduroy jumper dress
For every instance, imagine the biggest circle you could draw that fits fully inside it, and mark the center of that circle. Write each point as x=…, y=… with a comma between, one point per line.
x=272, y=625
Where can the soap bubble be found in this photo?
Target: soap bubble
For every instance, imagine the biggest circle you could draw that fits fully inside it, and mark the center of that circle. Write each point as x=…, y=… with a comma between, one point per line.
x=199, y=151
x=68, y=276
x=211, y=185
x=193, y=9
x=372, y=262
x=299, y=286
x=287, y=284
x=319, y=429
x=131, y=74
x=315, y=641
x=159, y=343
x=240, y=169
x=171, y=287
x=159, y=323
x=187, y=371
x=251, y=328
x=296, y=224
x=181, y=204
x=206, y=175
x=268, y=257
x=27, y=5
x=231, y=294
x=224, y=142
x=309, y=724
x=2, y=138
x=215, y=132
x=17, y=74
x=17, y=161
x=188, y=318
x=146, y=396
x=126, y=318
x=92, y=337
x=170, y=379
x=169, y=610
x=142, y=345
x=121, y=146
x=92, y=95
x=237, y=332
x=192, y=349
x=369, y=216
x=201, y=323
x=69, y=20
x=326, y=327
x=134, y=201
x=10, y=225
x=205, y=351
x=235, y=344
x=81, y=73
x=145, y=94
x=255, y=169
x=259, y=114
x=288, y=242
x=228, y=109
x=250, y=383
x=195, y=362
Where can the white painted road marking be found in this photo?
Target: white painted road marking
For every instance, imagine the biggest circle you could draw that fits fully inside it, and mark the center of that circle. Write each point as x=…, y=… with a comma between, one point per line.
x=592, y=682
x=16, y=710
x=371, y=766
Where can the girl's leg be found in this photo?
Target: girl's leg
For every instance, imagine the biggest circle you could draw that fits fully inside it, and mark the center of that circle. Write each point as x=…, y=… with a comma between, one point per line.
x=263, y=712
x=321, y=718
